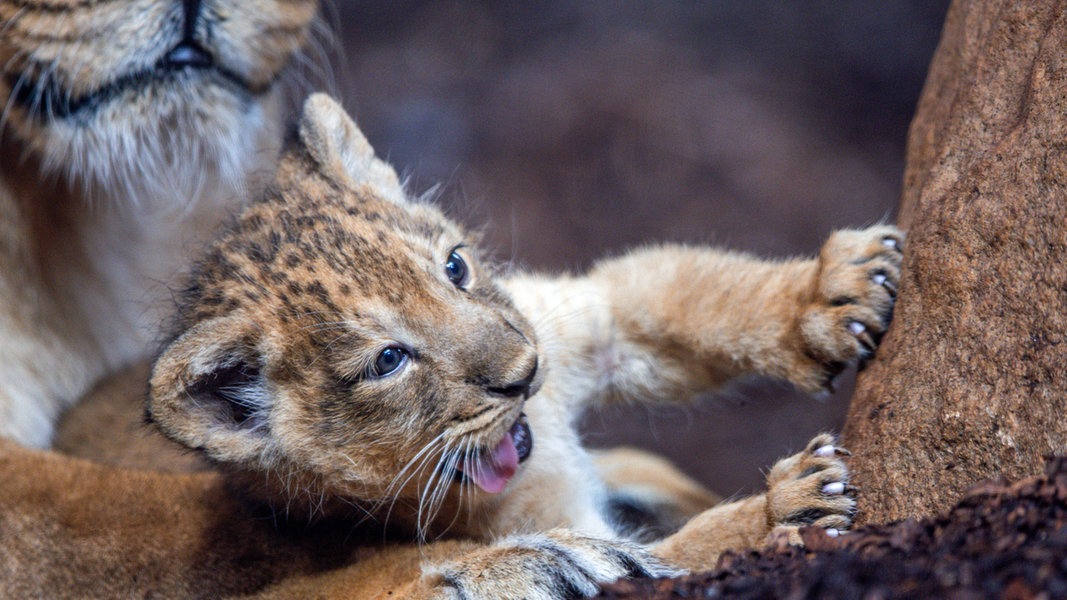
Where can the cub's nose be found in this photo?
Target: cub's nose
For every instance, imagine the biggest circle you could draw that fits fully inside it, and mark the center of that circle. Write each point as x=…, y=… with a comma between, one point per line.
x=519, y=388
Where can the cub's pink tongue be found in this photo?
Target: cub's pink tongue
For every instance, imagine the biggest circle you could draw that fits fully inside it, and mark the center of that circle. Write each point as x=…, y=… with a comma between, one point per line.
x=492, y=471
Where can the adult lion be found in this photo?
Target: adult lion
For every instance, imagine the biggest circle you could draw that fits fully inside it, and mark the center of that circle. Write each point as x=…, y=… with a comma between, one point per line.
x=129, y=131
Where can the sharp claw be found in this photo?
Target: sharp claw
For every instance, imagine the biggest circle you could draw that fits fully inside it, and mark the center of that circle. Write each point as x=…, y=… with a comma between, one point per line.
x=827, y=450
x=890, y=287
x=856, y=327
x=834, y=489
x=882, y=278
x=889, y=242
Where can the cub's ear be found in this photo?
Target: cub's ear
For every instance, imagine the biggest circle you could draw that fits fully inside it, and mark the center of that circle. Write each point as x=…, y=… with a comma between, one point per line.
x=208, y=391
x=339, y=147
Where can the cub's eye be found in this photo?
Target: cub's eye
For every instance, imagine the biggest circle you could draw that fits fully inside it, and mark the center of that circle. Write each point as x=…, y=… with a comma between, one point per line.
x=456, y=270
x=388, y=361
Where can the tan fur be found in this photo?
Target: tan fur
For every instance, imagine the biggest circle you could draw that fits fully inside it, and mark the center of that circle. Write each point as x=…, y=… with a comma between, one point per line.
x=105, y=197
x=270, y=375
x=95, y=532
x=107, y=426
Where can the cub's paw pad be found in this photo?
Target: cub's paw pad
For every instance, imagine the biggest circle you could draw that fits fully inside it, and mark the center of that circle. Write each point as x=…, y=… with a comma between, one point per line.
x=811, y=488
x=557, y=564
x=852, y=304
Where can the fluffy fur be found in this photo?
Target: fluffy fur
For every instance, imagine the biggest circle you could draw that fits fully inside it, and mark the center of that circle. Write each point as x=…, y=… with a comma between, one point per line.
x=121, y=156
x=280, y=372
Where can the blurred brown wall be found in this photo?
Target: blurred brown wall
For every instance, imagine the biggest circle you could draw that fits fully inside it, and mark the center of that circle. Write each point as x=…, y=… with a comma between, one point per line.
x=582, y=128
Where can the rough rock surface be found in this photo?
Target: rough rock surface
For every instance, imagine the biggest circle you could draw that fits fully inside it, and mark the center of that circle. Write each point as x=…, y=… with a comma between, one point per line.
x=970, y=381
x=999, y=541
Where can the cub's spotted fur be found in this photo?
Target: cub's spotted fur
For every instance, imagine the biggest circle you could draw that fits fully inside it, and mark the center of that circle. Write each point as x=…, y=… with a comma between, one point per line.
x=128, y=131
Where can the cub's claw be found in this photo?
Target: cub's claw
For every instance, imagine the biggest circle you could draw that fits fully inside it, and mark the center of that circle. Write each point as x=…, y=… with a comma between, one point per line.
x=834, y=488
x=831, y=450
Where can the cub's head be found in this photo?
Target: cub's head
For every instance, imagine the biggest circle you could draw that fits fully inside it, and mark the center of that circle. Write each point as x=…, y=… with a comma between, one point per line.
x=344, y=345
x=143, y=92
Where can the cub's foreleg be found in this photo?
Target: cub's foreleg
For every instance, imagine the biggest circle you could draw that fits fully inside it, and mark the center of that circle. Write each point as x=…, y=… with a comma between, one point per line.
x=808, y=488
x=686, y=319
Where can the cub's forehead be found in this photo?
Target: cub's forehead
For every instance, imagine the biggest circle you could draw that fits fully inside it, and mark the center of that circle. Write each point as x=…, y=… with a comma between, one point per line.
x=323, y=257
x=343, y=212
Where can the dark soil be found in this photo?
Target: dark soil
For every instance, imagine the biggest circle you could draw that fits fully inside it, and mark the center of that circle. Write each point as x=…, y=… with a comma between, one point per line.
x=1003, y=541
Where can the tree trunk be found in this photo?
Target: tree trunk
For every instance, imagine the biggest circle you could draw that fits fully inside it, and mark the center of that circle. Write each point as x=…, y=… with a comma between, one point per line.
x=971, y=380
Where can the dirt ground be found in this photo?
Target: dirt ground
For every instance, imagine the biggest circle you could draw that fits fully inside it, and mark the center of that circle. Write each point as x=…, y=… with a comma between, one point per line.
x=578, y=129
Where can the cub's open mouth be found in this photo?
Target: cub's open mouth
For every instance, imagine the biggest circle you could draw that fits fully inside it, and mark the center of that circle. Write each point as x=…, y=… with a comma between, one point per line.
x=491, y=469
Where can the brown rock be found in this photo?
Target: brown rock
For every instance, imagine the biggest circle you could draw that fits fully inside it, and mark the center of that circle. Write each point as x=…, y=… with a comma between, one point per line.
x=971, y=381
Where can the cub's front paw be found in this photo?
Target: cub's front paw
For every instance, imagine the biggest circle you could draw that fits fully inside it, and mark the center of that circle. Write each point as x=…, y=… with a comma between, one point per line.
x=811, y=488
x=855, y=289
x=556, y=564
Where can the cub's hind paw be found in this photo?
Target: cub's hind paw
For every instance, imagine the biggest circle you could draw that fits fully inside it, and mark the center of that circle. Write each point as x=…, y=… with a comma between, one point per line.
x=811, y=488
x=855, y=289
x=556, y=564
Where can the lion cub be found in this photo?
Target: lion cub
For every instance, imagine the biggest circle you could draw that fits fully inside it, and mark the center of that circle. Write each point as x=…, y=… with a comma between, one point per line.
x=345, y=352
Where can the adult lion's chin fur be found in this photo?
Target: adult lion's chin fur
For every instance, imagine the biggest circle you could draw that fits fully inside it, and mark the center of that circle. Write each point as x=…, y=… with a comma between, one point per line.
x=165, y=156
x=102, y=216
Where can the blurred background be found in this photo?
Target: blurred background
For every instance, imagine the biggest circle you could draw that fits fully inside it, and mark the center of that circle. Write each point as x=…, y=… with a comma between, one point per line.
x=581, y=128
